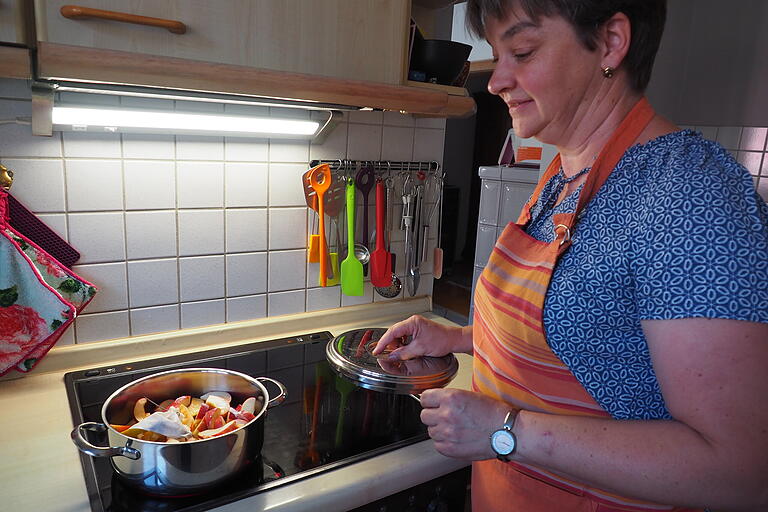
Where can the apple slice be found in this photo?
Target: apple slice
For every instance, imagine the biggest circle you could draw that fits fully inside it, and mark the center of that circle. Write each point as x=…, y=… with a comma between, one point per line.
x=227, y=427
x=219, y=402
x=138, y=409
x=194, y=406
x=202, y=410
x=249, y=405
x=186, y=416
x=182, y=400
x=209, y=420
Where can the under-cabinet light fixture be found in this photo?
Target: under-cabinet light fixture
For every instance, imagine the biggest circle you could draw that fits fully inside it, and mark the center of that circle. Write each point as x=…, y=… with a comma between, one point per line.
x=54, y=112
x=84, y=118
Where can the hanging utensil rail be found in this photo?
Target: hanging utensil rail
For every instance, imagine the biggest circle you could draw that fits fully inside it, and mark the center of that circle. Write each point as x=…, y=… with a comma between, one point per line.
x=380, y=167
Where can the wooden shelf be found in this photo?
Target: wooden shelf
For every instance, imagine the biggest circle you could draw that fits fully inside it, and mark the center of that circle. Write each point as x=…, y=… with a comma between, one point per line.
x=14, y=62
x=77, y=63
x=448, y=89
x=435, y=4
x=482, y=66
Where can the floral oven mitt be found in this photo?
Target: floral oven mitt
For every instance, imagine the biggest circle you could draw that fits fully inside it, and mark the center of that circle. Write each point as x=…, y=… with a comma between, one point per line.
x=39, y=298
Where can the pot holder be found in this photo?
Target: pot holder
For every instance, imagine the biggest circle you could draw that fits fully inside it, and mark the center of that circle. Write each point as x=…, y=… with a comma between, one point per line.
x=39, y=298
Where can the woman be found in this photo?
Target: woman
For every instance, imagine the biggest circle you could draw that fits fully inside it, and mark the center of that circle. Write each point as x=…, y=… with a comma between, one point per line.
x=620, y=334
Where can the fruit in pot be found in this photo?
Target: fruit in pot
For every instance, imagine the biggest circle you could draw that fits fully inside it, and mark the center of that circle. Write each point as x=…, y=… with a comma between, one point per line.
x=138, y=409
x=219, y=402
x=249, y=405
x=182, y=400
x=225, y=428
x=194, y=406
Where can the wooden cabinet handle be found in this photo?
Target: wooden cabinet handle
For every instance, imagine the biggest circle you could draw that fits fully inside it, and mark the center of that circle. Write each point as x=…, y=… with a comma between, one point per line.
x=76, y=12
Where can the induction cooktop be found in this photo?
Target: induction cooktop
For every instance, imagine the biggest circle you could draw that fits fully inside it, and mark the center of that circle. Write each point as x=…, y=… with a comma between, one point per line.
x=326, y=421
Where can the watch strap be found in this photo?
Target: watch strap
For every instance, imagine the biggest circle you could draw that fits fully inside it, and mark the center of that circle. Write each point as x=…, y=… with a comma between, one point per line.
x=509, y=424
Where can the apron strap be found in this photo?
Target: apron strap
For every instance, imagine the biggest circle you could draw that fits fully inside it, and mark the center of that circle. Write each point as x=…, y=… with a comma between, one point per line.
x=627, y=132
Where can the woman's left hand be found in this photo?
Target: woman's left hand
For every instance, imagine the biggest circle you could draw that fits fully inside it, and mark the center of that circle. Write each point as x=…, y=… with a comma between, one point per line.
x=461, y=422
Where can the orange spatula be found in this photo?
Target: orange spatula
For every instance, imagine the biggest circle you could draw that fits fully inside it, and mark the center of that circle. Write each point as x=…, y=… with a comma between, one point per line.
x=320, y=179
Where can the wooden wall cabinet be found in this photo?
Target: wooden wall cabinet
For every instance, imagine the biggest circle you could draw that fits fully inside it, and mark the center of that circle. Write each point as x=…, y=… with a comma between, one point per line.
x=361, y=40
x=331, y=51
x=14, y=58
x=12, y=22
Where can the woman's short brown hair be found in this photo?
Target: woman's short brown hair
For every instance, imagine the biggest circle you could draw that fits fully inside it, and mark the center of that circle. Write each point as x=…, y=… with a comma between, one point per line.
x=587, y=16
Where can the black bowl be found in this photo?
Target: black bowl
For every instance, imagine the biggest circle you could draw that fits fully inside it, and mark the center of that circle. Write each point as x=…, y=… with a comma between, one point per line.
x=441, y=61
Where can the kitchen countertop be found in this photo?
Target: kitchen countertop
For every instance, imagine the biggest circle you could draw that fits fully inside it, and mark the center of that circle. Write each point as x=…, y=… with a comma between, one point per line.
x=41, y=469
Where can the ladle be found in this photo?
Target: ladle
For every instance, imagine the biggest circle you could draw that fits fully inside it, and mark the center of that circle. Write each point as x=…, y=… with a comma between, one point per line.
x=364, y=180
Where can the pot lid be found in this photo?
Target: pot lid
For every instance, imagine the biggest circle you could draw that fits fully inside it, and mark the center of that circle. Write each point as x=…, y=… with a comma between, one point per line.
x=350, y=356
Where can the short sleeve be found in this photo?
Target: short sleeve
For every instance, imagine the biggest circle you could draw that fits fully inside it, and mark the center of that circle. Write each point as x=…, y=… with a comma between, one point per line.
x=702, y=244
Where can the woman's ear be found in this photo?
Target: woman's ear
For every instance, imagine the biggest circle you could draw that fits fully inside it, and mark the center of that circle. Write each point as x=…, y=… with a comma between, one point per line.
x=616, y=35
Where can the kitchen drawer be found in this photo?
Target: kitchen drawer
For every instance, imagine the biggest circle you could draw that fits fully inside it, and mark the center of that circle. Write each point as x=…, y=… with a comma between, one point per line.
x=360, y=40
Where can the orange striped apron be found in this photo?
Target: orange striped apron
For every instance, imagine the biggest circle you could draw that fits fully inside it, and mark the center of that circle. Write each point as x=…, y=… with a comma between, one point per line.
x=513, y=362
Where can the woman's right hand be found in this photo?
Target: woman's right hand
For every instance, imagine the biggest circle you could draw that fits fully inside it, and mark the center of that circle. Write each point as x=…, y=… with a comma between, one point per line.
x=428, y=338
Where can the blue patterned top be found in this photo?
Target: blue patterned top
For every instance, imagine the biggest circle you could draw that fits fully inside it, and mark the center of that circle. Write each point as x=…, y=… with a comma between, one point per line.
x=677, y=231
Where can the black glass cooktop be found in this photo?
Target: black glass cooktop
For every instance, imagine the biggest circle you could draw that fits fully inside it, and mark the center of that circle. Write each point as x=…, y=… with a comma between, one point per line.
x=349, y=423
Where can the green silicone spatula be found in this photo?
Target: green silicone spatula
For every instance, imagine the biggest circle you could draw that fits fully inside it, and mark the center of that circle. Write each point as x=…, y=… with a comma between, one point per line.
x=351, y=268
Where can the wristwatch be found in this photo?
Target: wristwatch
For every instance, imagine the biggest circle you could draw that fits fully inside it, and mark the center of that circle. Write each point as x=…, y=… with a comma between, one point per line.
x=503, y=441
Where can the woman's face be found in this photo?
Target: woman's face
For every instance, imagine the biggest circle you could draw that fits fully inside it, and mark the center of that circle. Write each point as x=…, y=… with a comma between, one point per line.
x=544, y=74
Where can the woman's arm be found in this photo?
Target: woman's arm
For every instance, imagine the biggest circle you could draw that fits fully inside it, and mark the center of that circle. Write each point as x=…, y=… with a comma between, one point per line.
x=714, y=378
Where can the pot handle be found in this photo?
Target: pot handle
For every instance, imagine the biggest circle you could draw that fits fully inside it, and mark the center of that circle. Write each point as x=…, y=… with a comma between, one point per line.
x=97, y=451
x=279, y=398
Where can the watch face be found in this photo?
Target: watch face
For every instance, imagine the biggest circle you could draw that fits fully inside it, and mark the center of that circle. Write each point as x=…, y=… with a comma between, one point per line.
x=503, y=442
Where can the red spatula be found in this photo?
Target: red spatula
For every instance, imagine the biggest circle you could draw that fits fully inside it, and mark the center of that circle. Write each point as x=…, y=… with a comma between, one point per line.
x=381, y=261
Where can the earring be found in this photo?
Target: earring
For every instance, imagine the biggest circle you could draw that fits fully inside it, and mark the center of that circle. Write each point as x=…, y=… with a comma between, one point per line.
x=608, y=72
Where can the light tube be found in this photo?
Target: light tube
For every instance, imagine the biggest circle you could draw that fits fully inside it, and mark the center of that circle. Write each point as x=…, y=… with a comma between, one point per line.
x=81, y=118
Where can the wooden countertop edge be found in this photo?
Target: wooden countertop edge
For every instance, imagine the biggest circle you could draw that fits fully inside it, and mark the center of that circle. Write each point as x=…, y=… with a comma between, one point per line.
x=14, y=62
x=136, y=348
x=65, y=62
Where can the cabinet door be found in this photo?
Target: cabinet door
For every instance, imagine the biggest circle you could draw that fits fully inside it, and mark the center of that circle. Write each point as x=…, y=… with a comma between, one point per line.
x=357, y=39
x=11, y=22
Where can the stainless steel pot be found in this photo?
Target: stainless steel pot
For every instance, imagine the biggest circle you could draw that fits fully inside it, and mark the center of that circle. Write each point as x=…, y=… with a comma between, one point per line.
x=174, y=469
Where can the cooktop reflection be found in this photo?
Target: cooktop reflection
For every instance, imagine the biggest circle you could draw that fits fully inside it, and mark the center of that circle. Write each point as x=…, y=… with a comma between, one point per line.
x=326, y=422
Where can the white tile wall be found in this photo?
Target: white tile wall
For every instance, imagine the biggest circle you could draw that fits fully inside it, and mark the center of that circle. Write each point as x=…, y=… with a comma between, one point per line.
x=153, y=282
x=201, y=278
x=180, y=231
x=286, y=303
x=200, y=184
x=245, y=184
x=149, y=184
x=154, y=319
x=94, y=185
x=246, y=274
x=109, y=246
x=151, y=234
x=201, y=232
x=159, y=147
x=51, y=172
x=246, y=308
x=199, y=314
x=246, y=230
